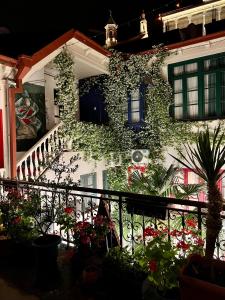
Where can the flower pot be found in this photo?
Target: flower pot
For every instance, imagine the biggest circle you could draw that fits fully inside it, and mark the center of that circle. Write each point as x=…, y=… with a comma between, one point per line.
x=91, y=275
x=197, y=282
x=150, y=292
x=46, y=267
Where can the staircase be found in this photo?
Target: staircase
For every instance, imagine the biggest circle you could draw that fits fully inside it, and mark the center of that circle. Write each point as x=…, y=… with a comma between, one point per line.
x=33, y=163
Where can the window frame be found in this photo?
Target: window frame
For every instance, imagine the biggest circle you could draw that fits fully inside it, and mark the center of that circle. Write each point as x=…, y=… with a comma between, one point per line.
x=200, y=73
x=141, y=100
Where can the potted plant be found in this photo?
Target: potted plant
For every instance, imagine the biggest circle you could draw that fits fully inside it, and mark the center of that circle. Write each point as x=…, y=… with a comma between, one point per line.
x=18, y=227
x=44, y=208
x=163, y=255
x=121, y=268
x=206, y=159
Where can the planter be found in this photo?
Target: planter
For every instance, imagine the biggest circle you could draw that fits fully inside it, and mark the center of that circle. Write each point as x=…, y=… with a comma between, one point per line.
x=147, y=207
x=16, y=253
x=46, y=268
x=202, y=278
x=149, y=292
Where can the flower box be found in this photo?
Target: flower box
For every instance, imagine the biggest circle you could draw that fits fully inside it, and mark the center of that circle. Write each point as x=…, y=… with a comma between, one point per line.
x=145, y=207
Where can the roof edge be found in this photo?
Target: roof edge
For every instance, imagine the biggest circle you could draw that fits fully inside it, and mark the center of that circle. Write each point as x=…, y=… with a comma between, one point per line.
x=193, y=41
x=9, y=61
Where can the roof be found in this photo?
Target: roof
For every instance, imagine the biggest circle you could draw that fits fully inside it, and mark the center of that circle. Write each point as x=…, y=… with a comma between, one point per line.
x=110, y=20
x=14, y=45
x=189, y=35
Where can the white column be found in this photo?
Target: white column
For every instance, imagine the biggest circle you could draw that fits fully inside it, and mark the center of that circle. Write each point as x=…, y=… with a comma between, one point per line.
x=203, y=24
x=218, y=14
x=176, y=22
x=189, y=19
x=5, y=124
x=164, y=26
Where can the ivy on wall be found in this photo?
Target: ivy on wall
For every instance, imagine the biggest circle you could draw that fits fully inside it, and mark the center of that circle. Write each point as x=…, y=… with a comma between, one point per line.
x=126, y=73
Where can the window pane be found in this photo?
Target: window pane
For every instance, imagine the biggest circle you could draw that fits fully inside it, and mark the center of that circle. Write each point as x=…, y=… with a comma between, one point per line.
x=178, y=99
x=192, y=110
x=135, y=117
x=178, y=86
x=135, y=94
x=191, y=67
x=223, y=93
x=135, y=105
x=210, y=94
x=178, y=70
x=178, y=111
x=210, y=64
x=192, y=96
x=192, y=83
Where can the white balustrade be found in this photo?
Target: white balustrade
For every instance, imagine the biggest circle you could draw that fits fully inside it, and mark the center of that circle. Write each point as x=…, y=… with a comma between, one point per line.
x=32, y=164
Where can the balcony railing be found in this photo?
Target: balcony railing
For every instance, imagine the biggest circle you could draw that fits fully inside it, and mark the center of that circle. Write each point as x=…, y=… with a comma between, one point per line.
x=130, y=213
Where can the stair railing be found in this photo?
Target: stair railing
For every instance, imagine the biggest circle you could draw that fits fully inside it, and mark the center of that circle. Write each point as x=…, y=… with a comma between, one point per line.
x=32, y=164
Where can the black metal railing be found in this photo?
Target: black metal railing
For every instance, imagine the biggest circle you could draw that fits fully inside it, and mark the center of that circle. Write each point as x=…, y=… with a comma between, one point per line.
x=130, y=213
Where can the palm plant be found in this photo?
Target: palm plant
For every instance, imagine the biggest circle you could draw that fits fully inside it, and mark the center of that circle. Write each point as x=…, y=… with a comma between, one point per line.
x=159, y=181
x=206, y=160
x=185, y=191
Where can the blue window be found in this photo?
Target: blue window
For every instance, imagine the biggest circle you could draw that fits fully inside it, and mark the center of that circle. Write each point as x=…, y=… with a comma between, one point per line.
x=135, y=112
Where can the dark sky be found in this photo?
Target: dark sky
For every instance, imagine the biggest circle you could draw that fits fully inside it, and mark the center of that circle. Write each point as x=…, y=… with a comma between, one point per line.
x=88, y=16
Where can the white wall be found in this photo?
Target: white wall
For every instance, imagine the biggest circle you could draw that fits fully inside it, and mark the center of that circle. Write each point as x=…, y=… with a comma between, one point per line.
x=84, y=168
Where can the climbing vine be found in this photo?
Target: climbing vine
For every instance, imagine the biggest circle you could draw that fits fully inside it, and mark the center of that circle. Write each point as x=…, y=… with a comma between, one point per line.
x=126, y=73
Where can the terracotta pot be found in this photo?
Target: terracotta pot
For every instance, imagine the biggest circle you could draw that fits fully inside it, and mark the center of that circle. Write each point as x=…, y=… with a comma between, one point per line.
x=196, y=282
x=90, y=275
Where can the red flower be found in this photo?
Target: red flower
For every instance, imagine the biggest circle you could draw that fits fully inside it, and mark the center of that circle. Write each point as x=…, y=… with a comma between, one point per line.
x=182, y=245
x=85, y=239
x=68, y=210
x=152, y=265
x=199, y=241
x=16, y=220
x=149, y=231
x=191, y=223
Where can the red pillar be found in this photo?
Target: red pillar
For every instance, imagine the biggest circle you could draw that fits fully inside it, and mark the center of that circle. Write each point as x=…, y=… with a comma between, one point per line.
x=1, y=142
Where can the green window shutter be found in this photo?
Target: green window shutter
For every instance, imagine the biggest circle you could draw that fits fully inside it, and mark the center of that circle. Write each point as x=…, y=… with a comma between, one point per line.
x=199, y=88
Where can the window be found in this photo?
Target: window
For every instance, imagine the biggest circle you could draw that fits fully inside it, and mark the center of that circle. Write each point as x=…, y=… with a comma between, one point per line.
x=58, y=107
x=199, y=88
x=88, y=181
x=135, y=112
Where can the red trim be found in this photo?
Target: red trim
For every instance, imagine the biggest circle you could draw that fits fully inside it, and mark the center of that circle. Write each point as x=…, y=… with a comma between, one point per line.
x=24, y=64
x=12, y=92
x=1, y=142
x=186, y=170
x=38, y=56
x=8, y=61
x=131, y=169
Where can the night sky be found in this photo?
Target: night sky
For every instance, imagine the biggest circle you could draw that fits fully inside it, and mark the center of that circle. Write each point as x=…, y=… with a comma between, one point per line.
x=89, y=17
